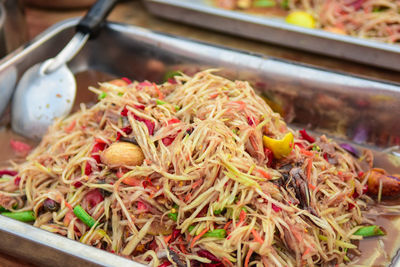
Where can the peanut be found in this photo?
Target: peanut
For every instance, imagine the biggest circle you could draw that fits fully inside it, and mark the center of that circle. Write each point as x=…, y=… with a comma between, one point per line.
x=122, y=154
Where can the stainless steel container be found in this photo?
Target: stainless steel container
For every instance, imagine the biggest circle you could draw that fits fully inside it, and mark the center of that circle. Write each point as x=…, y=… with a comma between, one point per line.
x=345, y=107
x=13, y=28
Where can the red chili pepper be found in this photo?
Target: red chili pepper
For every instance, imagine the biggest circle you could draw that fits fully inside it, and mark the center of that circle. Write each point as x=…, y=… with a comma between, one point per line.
x=168, y=140
x=95, y=151
x=360, y=174
x=17, y=180
x=270, y=156
x=276, y=208
x=127, y=130
x=141, y=206
x=175, y=234
x=300, y=145
x=172, y=121
x=94, y=197
x=77, y=184
x=172, y=81
x=88, y=169
x=208, y=255
x=165, y=264
x=8, y=172
x=124, y=112
x=351, y=206
x=364, y=191
x=127, y=80
x=252, y=121
x=150, y=125
x=306, y=136
x=326, y=157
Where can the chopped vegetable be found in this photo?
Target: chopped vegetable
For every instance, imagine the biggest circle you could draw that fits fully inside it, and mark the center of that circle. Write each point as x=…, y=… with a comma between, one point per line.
x=84, y=216
x=369, y=231
x=23, y=216
x=219, y=233
x=301, y=18
x=349, y=148
x=173, y=215
x=306, y=136
x=102, y=95
x=170, y=74
x=8, y=172
x=264, y=3
x=280, y=148
x=160, y=102
x=2, y=209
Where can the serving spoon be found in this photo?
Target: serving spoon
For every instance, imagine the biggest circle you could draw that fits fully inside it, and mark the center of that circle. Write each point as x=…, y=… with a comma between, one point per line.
x=47, y=90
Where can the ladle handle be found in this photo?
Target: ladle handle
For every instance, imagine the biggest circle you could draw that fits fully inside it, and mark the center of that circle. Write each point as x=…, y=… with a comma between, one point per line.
x=91, y=23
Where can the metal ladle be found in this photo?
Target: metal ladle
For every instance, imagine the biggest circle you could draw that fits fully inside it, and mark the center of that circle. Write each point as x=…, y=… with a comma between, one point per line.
x=47, y=90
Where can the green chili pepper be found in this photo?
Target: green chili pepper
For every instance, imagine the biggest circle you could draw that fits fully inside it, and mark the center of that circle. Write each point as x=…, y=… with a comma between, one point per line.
x=23, y=216
x=160, y=102
x=171, y=74
x=264, y=3
x=370, y=230
x=219, y=233
x=316, y=148
x=84, y=216
x=102, y=95
x=218, y=212
x=173, y=216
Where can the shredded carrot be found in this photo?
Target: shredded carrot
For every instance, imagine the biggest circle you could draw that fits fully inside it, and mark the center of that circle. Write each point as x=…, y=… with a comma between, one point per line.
x=187, y=198
x=306, y=252
x=160, y=94
x=309, y=168
x=227, y=261
x=246, y=261
x=213, y=96
x=167, y=238
x=198, y=237
x=181, y=246
x=242, y=217
x=313, y=187
x=265, y=174
x=306, y=152
x=227, y=225
x=297, y=235
x=197, y=183
x=242, y=105
x=68, y=205
x=70, y=127
x=257, y=237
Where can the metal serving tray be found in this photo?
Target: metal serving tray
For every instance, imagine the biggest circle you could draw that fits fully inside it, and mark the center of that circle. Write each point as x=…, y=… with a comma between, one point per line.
x=275, y=30
x=347, y=107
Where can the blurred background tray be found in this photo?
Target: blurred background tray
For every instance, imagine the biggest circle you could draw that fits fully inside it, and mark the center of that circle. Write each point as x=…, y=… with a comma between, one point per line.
x=274, y=30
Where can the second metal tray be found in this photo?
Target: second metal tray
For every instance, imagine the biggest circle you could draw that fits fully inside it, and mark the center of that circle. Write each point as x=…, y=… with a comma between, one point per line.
x=201, y=13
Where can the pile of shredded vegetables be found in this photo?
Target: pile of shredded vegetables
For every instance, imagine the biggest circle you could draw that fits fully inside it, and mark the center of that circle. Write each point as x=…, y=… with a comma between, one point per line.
x=207, y=192
x=374, y=19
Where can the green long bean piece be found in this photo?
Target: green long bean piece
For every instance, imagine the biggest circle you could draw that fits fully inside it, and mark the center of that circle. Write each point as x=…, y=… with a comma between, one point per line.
x=23, y=216
x=84, y=216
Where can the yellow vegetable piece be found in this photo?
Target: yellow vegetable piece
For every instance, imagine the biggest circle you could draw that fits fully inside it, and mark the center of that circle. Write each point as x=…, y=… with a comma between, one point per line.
x=301, y=18
x=280, y=148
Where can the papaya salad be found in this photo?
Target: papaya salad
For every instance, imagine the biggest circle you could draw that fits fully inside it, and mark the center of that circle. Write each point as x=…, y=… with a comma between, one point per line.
x=374, y=19
x=197, y=171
